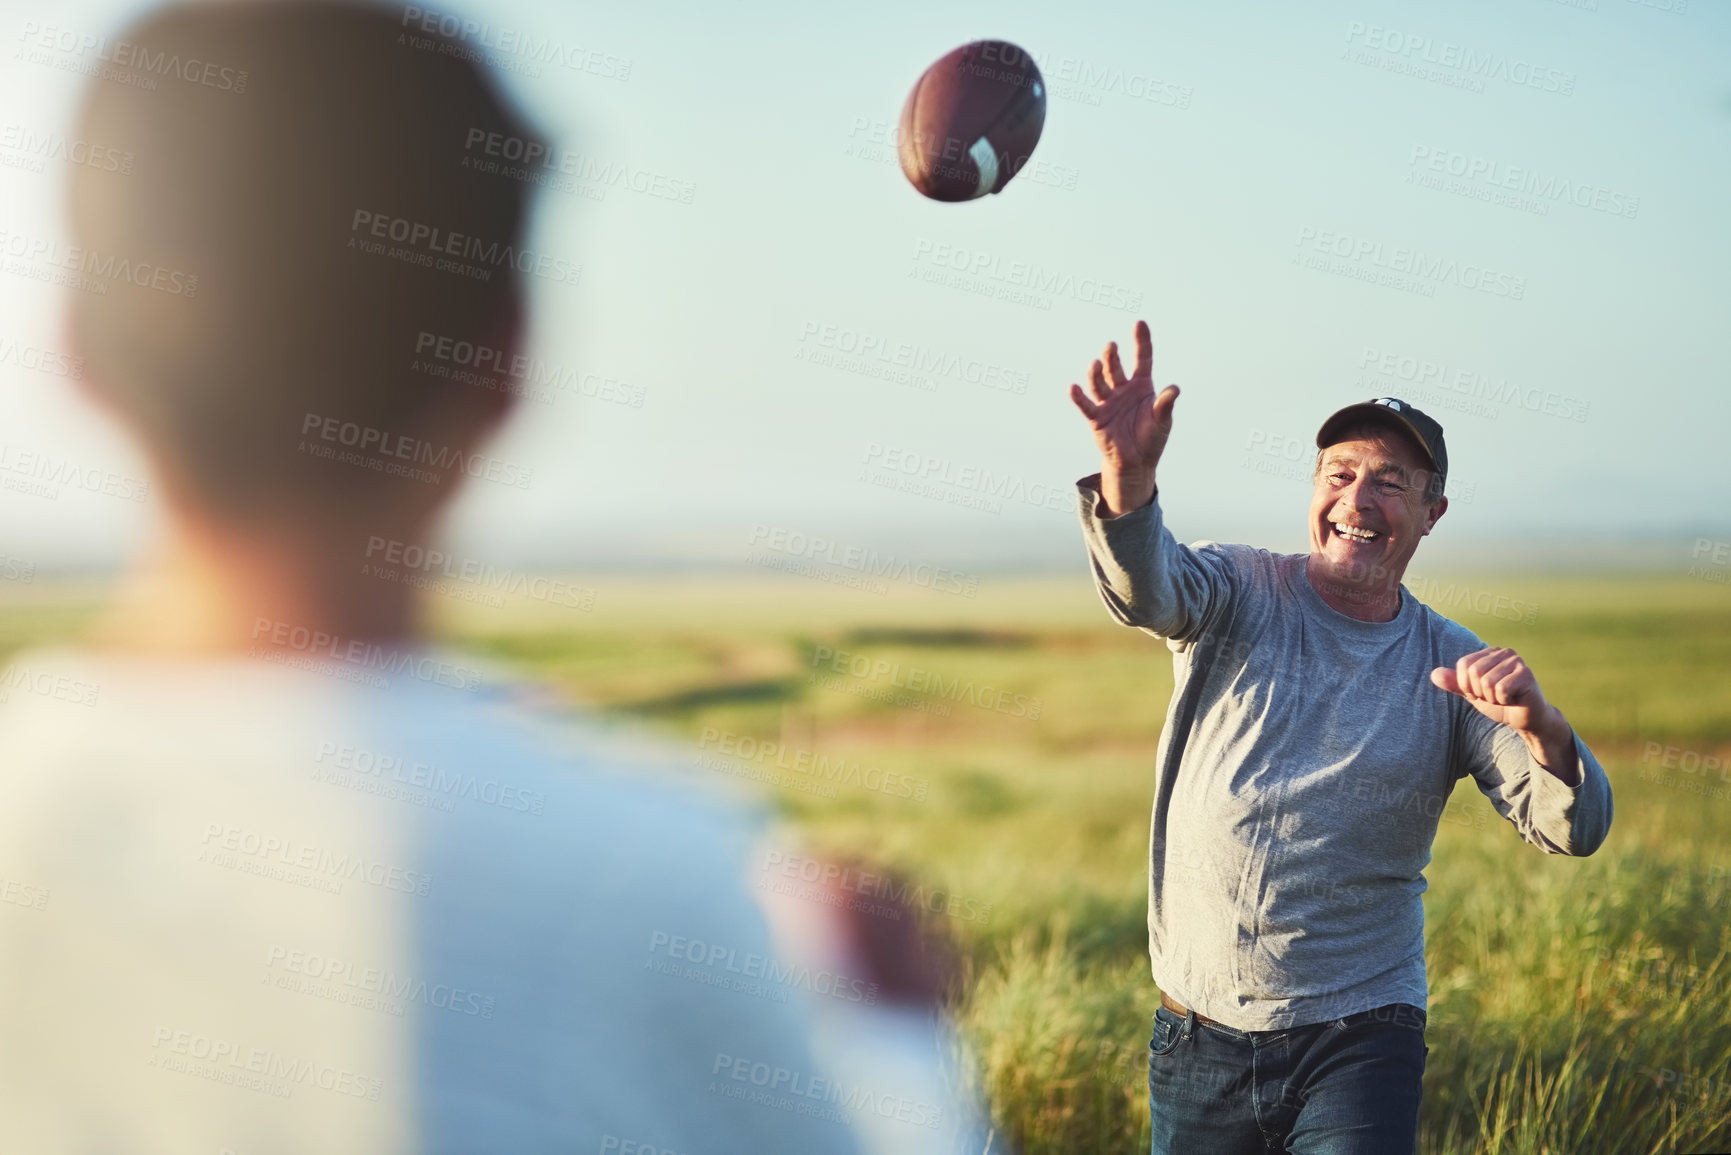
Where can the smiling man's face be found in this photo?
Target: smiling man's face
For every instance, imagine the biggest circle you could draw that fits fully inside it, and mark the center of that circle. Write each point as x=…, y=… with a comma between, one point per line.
x=1368, y=510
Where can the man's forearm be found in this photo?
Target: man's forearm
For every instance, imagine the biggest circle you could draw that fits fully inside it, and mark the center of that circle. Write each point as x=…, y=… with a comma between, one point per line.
x=1125, y=489
x=1552, y=745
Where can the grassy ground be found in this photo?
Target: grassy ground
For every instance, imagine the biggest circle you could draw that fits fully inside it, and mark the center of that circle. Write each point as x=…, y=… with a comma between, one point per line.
x=1577, y=1005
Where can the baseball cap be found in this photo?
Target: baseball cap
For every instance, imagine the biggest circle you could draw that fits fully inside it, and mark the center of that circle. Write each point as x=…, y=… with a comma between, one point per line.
x=1391, y=411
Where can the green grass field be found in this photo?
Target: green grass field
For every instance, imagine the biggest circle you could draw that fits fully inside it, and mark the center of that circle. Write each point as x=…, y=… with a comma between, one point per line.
x=1576, y=1005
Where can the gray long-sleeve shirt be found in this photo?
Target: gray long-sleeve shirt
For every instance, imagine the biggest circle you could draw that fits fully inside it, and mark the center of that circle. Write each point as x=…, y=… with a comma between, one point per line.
x=1305, y=760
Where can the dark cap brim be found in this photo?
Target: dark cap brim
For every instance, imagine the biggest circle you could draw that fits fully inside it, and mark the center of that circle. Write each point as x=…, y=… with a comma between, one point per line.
x=1369, y=411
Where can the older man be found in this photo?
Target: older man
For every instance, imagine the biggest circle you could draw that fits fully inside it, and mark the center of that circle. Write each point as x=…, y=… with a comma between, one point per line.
x=1320, y=719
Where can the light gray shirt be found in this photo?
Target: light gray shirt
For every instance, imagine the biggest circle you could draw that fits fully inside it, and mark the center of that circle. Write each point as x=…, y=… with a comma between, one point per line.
x=1305, y=761
x=256, y=907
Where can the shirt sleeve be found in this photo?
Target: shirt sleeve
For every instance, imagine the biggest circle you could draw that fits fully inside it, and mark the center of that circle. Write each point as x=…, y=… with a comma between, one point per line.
x=1145, y=576
x=1557, y=818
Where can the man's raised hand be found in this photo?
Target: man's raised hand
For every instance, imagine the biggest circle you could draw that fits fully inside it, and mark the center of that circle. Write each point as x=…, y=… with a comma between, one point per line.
x=1131, y=425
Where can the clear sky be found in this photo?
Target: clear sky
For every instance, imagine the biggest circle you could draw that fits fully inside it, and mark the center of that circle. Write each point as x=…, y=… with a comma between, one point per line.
x=1513, y=214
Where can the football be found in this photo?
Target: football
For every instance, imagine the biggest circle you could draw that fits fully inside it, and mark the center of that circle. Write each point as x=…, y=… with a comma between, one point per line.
x=972, y=121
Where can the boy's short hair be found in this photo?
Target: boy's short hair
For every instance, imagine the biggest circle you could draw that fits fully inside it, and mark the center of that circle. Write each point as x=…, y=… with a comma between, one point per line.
x=276, y=179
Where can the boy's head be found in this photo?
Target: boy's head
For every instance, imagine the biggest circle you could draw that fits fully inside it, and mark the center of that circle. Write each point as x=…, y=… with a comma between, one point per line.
x=310, y=173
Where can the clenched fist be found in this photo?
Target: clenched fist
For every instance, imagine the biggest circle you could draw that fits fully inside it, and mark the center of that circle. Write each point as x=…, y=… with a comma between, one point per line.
x=1499, y=684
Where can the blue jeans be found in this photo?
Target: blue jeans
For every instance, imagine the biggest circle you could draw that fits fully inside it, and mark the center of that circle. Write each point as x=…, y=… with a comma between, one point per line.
x=1344, y=1087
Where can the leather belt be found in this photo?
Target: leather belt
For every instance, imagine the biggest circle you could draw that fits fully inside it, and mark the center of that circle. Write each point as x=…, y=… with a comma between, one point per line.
x=1180, y=1009
x=1401, y=1014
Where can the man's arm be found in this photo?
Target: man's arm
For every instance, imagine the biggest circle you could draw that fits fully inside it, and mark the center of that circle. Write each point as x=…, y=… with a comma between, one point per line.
x=1552, y=745
x=1526, y=757
x=1146, y=578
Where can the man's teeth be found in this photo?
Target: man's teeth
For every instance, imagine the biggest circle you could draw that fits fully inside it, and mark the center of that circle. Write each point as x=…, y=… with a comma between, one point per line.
x=1354, y=533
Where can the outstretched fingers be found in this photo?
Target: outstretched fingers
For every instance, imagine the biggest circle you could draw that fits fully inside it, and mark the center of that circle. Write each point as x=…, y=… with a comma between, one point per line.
x=1097, y=382
x=1115, y=366
x=1106, y=377
x=1089, y=410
